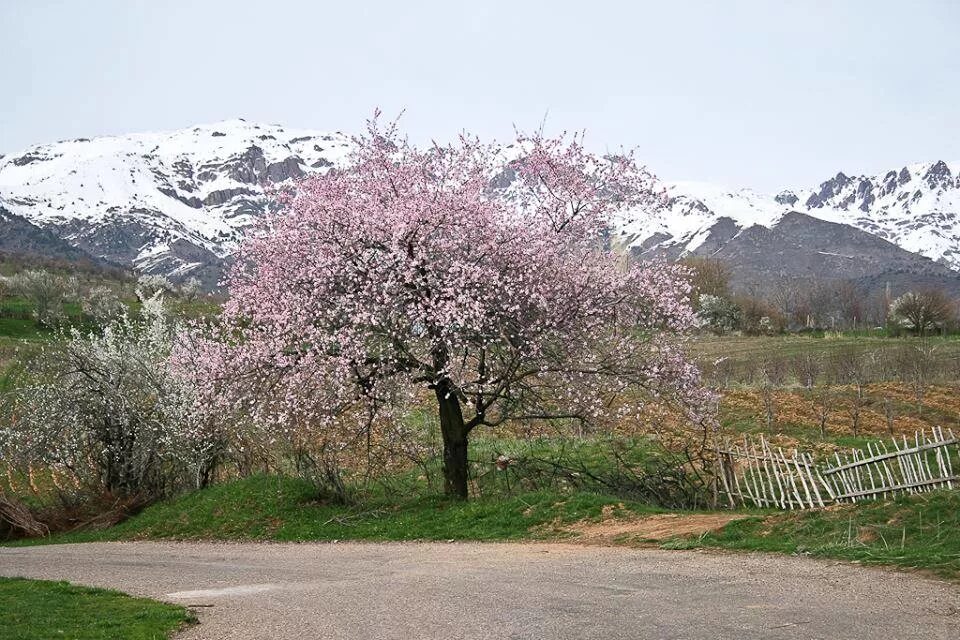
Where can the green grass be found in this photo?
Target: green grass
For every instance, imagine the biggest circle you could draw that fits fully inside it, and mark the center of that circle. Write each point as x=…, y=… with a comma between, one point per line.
x=40, y=610
x=915, y=532
x=21, y=328
x=283, y=509
x=912, y=532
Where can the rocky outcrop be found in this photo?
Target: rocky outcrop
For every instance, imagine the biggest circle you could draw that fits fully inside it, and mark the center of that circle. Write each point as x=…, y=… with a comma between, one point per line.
x=216, y=198
x=939, y=176
x=786, y=198
x=284, y=170
x=18, y=236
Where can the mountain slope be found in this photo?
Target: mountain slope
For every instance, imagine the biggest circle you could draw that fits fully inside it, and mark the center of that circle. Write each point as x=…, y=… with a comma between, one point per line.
x=174, y=203
x=916, y=207
x=799, y=247
x=20, y=237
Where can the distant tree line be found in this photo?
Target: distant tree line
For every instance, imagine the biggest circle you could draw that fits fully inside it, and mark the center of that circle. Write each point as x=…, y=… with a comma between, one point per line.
x=800, y=305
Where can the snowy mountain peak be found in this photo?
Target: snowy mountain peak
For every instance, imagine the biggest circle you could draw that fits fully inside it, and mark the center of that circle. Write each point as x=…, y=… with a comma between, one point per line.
x=177, y=202
x=916, y=207
x=172, y=202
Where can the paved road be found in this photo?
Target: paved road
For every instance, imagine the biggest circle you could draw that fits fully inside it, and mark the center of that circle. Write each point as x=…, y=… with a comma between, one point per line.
x=446, y=591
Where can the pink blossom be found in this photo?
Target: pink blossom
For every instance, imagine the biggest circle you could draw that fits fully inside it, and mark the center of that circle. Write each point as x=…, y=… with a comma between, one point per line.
x=456, y=269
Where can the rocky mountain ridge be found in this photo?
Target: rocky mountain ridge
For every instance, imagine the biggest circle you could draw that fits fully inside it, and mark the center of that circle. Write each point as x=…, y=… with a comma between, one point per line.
x=916, y=207
x=174, y=203
x=177, y=203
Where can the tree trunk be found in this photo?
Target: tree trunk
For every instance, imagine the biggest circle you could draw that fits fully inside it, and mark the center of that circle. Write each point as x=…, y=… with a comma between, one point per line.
x=454, y=434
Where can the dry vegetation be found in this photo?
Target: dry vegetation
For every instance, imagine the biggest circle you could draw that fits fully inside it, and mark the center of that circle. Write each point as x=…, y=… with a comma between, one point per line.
x=833, y=391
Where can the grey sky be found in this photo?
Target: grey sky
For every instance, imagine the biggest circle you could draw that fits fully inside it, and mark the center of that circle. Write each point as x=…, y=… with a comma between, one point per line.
x=764, y=94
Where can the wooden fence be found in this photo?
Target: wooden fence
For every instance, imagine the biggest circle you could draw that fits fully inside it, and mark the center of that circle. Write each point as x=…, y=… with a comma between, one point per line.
x=757, y=474
x=908, y=466
x=752, y=473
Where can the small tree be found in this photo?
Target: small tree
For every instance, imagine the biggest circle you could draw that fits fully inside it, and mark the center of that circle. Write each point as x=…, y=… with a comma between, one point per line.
x=447, y=271
x=824, y=405
x=708, y=277
x=151, y=284
x=719, y=315
x=772, y=371
x=806, y=366
x=922, y=312
x=915, y=363
x=46, y=292
x=852, y=366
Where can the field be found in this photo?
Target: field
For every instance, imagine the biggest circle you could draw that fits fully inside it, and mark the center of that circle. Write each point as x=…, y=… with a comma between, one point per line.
x=842, y=391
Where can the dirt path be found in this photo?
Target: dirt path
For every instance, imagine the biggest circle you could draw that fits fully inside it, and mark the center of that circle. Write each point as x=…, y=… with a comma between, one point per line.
x=489, y=591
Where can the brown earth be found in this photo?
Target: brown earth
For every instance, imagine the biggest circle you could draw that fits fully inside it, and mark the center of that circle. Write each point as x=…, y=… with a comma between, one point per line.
x=615, y=525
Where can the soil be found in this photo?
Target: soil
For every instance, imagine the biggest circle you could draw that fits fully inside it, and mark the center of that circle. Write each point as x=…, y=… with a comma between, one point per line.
x=614, y=525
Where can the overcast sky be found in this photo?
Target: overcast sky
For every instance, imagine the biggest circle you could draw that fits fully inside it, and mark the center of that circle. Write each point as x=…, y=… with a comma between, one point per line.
x=763, y=94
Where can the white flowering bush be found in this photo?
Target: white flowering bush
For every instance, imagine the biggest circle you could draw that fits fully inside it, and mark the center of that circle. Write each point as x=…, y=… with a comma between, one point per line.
x=106, y=409
x=718, y=314
x=149, y=285
x=766, y=326
x=102, y=305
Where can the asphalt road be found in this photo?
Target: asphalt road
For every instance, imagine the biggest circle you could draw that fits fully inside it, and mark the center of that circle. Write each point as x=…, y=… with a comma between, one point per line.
x=490, y=591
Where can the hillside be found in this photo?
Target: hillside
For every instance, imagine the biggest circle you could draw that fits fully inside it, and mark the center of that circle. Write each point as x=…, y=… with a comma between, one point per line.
x=916, y=207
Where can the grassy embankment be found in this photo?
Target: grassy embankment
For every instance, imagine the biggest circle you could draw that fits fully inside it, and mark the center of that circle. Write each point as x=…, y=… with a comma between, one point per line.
x=917, y=532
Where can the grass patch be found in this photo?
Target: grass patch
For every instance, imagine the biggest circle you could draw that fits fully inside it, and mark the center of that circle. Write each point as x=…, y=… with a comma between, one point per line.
x=912, y=532
x=38, y=610
x=21, y=328
x=284, y=509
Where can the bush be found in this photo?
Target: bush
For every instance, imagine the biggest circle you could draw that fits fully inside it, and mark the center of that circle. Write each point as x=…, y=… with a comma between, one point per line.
x=102, y=305
x=150, y=285
x=718, y=314
x=104, y=409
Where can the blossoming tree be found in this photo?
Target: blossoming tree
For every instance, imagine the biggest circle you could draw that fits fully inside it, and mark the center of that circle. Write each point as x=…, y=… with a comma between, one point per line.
x=479, y=274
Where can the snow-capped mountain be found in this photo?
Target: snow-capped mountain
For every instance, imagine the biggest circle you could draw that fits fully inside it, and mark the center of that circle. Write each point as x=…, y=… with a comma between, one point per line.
x=916, y=207
x=174, y=203
x=178, y=202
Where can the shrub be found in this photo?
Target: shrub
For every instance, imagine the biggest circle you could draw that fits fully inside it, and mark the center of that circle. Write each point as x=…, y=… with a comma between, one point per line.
x=102, y=305
x=46, y=293
x=105, y=409
x=149, y=285
x=718, y=314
